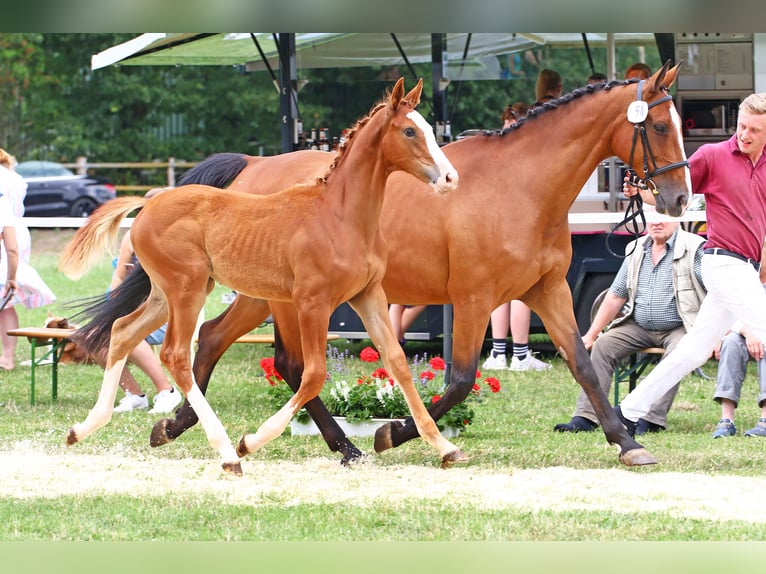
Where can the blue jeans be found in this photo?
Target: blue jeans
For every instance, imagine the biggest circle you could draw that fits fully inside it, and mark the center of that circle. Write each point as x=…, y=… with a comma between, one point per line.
x=156, y=337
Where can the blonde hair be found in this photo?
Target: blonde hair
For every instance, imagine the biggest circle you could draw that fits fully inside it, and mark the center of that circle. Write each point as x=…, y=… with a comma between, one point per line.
x=6, y=159
x=754, y=104
x=549, y=83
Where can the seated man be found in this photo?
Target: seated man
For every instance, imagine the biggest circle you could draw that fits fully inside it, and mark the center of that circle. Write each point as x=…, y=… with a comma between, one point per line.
x=659, y=288
x=736, y=348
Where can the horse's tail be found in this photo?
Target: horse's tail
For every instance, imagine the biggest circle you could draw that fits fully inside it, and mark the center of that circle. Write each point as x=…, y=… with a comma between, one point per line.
x=99, y=234
x=101, y=311
x=218, y=170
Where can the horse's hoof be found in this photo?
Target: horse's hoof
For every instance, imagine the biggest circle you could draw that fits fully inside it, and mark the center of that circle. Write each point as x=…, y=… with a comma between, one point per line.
x=349, y=460
x=383, y=436
x=242, y=448
x=71, y=437
x=159, y=434
x=234, y=468
x=637, y=457
x=452, y=457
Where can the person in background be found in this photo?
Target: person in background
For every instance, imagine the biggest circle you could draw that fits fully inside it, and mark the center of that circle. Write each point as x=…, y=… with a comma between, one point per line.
x=597, y=78
x=731, y=175
x=549, y=86
x=10, y=250
x=402, y=317
x=31, y=290
x=514, y=315
x=639, y=70
x=736, y=348
x=652, y=302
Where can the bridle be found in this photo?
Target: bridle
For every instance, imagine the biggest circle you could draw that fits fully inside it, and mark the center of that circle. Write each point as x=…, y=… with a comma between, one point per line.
x=638, y=111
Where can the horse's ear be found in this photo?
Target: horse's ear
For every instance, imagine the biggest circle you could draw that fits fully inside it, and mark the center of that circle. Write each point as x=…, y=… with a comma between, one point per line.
x=414, y=96
x=397, y=93
x=664, y=77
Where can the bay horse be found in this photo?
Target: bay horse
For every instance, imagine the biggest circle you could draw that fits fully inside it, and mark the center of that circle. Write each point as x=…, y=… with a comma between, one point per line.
x=502, y=235
x=311, y=247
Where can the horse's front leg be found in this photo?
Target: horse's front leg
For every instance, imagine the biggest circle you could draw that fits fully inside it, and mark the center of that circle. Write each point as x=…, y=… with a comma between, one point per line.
x=556, y=311
x=313, y=318
x=288, y=360
x=215, y=336
x=470, y=324
x=127, y=333
x=372, y=308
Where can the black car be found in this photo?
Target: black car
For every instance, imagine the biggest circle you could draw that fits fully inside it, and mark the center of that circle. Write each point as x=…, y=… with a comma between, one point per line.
x=55, y=191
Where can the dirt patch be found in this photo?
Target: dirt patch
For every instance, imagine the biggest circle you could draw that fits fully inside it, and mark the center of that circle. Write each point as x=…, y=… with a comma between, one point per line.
x=26, y=473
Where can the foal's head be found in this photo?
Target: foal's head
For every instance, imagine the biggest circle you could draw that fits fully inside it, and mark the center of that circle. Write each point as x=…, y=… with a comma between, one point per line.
x=408, y=141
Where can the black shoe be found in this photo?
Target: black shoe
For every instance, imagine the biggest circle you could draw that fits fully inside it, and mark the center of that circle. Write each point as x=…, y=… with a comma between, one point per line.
x=629, y=425
x=644, y=426
x=577, y=424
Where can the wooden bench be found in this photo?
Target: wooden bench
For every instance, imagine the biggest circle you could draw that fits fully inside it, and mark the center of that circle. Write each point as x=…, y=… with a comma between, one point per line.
x=56, y=340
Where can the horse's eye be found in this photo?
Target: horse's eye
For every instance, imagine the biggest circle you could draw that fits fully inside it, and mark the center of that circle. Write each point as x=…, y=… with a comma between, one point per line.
x=409, y=132
x=660, y=128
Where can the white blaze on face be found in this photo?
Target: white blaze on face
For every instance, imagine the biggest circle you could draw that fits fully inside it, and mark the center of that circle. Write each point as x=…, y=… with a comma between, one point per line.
x=677, y=123
x=448, y=179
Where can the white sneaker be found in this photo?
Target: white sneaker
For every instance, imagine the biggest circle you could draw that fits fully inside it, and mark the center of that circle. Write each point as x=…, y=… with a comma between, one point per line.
x=495, y=363
x=131, y=402
x=529, y=363
x=166, y=401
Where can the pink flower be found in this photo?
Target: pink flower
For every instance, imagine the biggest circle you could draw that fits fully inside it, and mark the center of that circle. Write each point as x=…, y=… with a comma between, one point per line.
x=437, y=364
x=369, y=355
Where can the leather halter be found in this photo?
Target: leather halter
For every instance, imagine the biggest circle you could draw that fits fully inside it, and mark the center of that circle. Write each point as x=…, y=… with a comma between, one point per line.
x=638, y=111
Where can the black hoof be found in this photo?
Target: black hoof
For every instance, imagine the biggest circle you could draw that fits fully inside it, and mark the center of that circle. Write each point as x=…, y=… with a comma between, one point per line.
x=383, y=436
x=159, y=434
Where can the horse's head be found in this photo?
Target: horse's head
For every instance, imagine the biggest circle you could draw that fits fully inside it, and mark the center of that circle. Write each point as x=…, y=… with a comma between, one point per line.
x=649, y=140
x=409, y=142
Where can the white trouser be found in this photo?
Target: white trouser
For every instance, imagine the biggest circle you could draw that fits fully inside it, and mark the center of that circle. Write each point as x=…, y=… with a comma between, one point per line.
x=734, y=292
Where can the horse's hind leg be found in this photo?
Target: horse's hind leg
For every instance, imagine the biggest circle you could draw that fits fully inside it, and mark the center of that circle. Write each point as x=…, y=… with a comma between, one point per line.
x=288, y=360
x=127, y=332
x=215, y=336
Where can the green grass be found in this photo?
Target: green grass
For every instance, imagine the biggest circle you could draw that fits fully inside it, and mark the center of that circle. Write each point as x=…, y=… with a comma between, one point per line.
x=512, y=430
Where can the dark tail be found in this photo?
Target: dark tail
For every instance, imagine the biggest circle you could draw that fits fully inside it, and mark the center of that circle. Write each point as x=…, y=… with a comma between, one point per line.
x=218, y=170
x=102, y=311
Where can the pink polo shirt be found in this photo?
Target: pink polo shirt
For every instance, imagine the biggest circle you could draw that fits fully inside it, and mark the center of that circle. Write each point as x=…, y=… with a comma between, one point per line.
x=735, y=196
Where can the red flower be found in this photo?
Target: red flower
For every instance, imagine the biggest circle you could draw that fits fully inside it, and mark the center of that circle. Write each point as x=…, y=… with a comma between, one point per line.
x=476, y=388
x=427, y=376
x=369, y=355
x=435, y=398
x=494, y=384
x=380, y=373
x=437, y=364
x=478, y=374
x=267, y=364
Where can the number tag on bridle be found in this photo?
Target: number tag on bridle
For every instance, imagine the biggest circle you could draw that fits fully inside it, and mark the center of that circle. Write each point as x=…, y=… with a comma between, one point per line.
x=637, y=111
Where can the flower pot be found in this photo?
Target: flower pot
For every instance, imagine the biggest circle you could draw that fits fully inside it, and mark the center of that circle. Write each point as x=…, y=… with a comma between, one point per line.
x=356, y=428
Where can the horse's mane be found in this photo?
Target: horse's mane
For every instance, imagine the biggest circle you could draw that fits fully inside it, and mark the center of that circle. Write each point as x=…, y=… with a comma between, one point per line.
x=536, y=111
x=360, y=123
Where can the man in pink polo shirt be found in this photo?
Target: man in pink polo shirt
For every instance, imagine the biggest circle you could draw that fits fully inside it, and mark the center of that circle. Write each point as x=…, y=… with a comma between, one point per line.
x=732, y=177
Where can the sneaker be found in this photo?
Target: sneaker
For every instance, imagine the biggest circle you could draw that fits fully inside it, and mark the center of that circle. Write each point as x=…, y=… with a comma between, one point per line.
x=166, y=401
x=131, y=402
x=726, y=427
x=528, y=363
x=758, y=430
x=495, y=363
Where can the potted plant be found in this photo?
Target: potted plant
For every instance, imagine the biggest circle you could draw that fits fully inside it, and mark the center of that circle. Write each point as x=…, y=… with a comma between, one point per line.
x=362, y=396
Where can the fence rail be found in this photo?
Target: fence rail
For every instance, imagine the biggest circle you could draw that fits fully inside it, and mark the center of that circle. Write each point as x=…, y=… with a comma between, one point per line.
x=81, y=167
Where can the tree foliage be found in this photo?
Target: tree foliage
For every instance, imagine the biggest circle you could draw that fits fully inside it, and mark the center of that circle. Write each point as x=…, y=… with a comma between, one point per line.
x=53, y=106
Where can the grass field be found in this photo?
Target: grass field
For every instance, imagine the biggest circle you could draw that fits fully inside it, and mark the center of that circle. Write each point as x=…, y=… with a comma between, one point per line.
x=523, y=482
